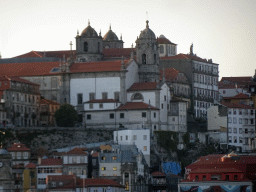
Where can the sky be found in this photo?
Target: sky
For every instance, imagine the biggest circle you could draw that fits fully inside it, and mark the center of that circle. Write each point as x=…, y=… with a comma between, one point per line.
x=221, y=30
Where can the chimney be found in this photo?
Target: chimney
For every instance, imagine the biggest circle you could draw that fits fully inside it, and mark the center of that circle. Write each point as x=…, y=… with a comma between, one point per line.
x=39, y=161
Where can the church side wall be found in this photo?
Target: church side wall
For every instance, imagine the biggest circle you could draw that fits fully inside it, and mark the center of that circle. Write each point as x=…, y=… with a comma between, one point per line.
x=96, y=85
x=132, y=75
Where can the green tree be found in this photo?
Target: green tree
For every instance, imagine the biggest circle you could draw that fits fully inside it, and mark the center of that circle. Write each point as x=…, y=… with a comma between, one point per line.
x=66, y=116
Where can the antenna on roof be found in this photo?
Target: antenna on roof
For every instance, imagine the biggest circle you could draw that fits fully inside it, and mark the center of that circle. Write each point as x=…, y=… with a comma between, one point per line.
x=147, y=15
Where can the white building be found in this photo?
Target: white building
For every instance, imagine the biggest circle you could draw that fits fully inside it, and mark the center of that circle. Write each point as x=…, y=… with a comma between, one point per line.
x=75, y=162
x=139, y=137
x=47, y=167
x=241, y=126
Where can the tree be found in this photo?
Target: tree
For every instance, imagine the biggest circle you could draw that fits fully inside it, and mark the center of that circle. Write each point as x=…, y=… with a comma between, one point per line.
x=66, y=116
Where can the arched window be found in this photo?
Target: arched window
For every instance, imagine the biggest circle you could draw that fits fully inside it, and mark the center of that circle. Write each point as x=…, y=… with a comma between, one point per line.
x=143, y=56
x=85, y=46
x=137, y=96
x=161, y=49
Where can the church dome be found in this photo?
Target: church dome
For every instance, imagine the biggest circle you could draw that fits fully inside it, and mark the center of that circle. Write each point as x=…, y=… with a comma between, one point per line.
x=3, y=151
x=147, y=33
x=110, y=36
x=89, y=32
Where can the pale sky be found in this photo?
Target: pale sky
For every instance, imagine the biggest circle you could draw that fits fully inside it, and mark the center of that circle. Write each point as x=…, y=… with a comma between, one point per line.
x=221, y=30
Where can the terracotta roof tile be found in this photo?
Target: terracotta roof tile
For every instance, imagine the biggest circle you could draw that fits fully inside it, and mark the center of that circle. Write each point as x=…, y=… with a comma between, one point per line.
x=16, y=79
x=41, y=54
x=61, y=177
x=143, y=86
x=219, y=170
x=48, y=102
x=246, y=80
x=236, y=105
x=102, y=66
x=136, y=106
x=30, y=54
x=185, y=56
x=28, y=69
x=103, y=101
x=18, y=147
x=30, y=166
x=118, y=52
x=96, y=154
x=241, y=96
x=158, y=173
x=170, y=74
x=50, y=162
x=164, y=41
x=76, y=151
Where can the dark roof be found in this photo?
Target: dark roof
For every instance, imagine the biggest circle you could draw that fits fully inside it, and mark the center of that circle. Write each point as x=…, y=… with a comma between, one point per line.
x=143, y=86
x=236, y=105
x=136, y=106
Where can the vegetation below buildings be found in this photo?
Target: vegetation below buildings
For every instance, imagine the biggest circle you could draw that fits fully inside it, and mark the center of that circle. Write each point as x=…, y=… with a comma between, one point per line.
x=66, y=116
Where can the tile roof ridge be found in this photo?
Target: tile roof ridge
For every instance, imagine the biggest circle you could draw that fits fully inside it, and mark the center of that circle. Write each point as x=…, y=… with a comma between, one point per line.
x=37, y=53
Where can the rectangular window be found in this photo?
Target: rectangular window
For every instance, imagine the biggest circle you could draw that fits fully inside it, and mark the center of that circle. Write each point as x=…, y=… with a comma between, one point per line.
x=230, y=139
x=111, y=115
x=230, y=120
x=91, y=105
x=235, y=139
x=246, y=131
x=145, y=148
x=126, y=137
x=154, y=115
x=103, y=168
x=144, y=114
x=89, y=116
x=79, y=98
x=234, y=120
x=134, y=137
x=165, y=98
x=114, y=168
x=229, y=130
x=240, y=112
x=91, y=96
x=101, y=105
x=121, y=138
x=240, y=120
x=144, y=137
x=235, y=130
x=116, y=96
x=105, y=95
x=240, y=130
x=240, y=140
x=162, y=105
x=234, y=111
x=114, y=157
x=121, y=115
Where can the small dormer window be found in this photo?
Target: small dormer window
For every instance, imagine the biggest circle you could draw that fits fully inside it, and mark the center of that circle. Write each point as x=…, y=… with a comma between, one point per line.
x=161, y=49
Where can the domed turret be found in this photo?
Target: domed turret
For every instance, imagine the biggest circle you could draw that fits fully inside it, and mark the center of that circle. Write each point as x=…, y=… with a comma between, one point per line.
x=89, y=45
x=147, y=55
x=89, y=32
x=110, y=36
x=110, y=40
x=147, y=33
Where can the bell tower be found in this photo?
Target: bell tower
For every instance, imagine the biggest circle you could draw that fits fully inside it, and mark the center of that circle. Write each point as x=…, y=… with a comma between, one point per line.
x=147, y=55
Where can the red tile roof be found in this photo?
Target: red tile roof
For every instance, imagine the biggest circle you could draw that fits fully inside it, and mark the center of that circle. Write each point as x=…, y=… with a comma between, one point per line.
x=30, y=166
x=246, y=80
x=76, y=151
x=98, y=182
x=143, y=86
x=164, y=41
x=41, y=54
x=236, y=105
x=102, y=66
x=96, y=154
x=170, y=74
x=103, y=101
x=158, y=173
x=50, y=162
x=48, y=102
x=219, y=170
x=28, y=69
x=136, y=106
x=61, y=177
x=185, y=56
x=118, y=52
x=16, y=79
x=18, y=147
x=241, y=96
